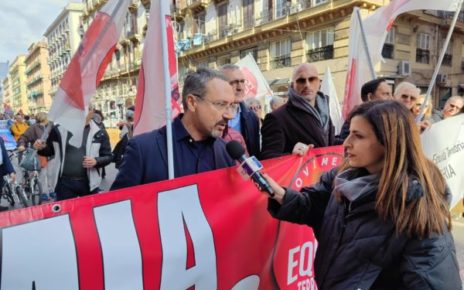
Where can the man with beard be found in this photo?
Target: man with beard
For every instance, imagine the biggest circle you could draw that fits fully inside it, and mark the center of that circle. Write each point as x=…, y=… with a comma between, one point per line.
x=208, y=101
x=303, y=122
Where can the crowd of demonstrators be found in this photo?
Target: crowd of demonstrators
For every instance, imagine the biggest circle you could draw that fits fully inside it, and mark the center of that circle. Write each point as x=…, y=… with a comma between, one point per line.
x=304, y=120
x=381, y=219
x=94, y=153
x=209, y=104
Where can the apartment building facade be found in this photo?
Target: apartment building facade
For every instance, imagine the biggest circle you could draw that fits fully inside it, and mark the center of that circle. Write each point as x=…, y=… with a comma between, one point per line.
x=63, y=39
x=118, y=86
x=281, y=34
x=38, y=78
x=6, y=92
x=17, y=83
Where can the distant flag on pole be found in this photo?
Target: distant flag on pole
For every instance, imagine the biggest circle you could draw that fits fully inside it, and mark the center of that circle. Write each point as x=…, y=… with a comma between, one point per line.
x=376, y=27
x=256, y=85
x=328, y=88
x=150, y=106
x=358, y=66
x=80, y=81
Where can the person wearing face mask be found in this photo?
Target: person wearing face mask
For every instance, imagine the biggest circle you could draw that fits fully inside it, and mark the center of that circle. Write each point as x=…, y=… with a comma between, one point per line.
x=94, y=153
x=382, y=218
x=33, y=133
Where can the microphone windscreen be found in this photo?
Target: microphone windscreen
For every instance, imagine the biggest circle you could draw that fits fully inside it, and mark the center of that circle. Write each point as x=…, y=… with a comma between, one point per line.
x=235, y=149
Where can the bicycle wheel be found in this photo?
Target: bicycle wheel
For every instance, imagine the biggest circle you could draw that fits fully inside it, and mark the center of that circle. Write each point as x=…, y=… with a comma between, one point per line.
x=22, y=196
x=36, y=192
x=6, y=192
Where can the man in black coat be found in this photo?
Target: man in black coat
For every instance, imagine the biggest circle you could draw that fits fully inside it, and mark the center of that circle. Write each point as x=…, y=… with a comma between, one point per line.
x=303, y=120
x=245, y=121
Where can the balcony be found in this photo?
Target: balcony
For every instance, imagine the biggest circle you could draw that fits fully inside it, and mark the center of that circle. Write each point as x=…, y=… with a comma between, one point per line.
x=196, y=5
x=387, y=50
x=447, y=60
x=281, y=61
x=422, y=56
x=321, y=53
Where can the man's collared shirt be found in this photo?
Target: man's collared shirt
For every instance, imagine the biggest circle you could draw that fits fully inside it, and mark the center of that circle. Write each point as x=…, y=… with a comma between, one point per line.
x=193, y=156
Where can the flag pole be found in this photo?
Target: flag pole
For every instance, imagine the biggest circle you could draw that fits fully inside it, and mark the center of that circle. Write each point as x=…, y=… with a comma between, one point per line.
x=167, y=88
x=439, y=62
x=366, y=47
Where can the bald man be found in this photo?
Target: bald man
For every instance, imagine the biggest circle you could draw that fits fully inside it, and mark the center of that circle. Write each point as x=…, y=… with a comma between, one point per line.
x=304, y=120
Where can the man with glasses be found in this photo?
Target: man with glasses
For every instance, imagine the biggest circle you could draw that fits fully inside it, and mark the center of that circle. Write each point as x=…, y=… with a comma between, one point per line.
x=208, y=102
x=304, y=120
x=453, y=106
x=245, y=121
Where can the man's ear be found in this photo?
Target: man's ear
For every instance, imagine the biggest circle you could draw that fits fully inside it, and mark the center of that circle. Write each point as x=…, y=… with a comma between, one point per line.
x=369, y=96
x=191, y=103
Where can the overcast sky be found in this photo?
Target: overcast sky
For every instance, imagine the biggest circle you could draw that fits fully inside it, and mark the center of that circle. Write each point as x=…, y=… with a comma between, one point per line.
x=24, y=22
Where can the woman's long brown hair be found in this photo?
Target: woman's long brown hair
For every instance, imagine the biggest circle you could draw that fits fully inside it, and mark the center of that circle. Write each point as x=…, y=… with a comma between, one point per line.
x=404, y=160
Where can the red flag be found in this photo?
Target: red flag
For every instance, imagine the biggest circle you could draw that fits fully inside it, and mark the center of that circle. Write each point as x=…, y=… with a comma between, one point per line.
x=79, y=83
x=150, y=101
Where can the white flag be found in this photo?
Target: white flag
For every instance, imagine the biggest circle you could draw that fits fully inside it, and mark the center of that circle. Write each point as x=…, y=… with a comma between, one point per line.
x=256, y=85
x=328, y=88
x=150, y=113
x=80, y=81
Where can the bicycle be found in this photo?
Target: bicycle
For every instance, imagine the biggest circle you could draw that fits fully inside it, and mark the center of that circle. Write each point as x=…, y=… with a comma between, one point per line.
x=31, y=183
x=13, y=193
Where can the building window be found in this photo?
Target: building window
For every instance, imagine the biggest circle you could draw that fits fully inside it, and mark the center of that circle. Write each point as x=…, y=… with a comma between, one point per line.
x=199, y=26
x=280, y=53
x=319, y=2
x=248, y=13
x=253, y=51
x=448, y=58
x=389, y=46
x=423, y=48
x=222, y=19
x=280, y=8
x=320, y=44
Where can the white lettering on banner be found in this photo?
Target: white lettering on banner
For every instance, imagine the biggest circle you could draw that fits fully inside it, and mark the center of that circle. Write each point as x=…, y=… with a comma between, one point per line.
x=306, y=171
x=248, y=283
x=122, y=258
x=301, y=258
x=179, y=210
x=40, y=253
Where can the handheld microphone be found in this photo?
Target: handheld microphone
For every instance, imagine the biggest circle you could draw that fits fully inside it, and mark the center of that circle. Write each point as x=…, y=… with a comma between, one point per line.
x=250, y=165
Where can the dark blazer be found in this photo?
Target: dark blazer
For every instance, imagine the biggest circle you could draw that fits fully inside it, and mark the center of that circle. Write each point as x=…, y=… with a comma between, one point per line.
x=359, y=250
x=291, y=124
x=6, y=167
x=146, y=161
x=249, y=125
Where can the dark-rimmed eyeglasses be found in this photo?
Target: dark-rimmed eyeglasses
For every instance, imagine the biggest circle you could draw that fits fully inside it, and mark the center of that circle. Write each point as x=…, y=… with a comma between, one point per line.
x=404, y=96
x=302, y=81
x=221, y=106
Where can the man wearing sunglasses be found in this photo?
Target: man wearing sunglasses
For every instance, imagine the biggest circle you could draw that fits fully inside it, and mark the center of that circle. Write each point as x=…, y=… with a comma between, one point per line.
x=304, y=120
x=245, y=121
x=208, y=102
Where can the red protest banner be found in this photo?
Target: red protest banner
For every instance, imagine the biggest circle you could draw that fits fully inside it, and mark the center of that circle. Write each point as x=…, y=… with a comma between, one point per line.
x=207, y=231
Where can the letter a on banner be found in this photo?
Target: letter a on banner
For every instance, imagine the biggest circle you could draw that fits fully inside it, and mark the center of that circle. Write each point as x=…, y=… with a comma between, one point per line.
x=180, y=212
